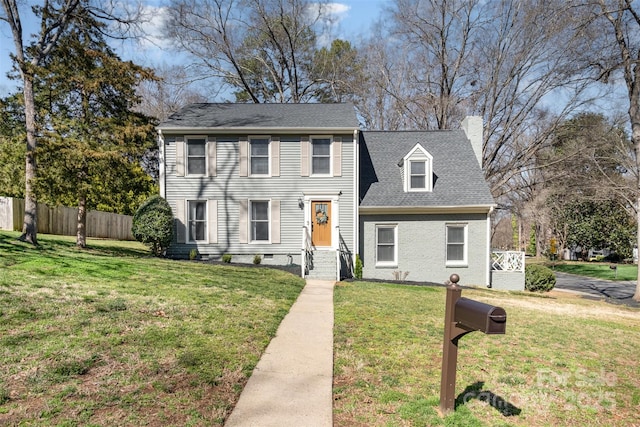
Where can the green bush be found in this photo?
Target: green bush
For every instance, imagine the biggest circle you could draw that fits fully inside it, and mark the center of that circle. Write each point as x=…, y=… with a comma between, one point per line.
x=193, y=254
x=226, y=258
x=257, y=259
x=153, y=224
x=358, y=268
x=538, y=278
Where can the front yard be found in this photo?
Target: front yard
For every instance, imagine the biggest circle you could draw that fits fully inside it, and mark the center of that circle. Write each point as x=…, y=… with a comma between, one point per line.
x=111, y=336
x=563, y=361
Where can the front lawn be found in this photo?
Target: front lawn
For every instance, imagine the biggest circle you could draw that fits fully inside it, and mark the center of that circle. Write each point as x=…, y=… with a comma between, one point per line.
x=111, y=336
x=597, y=269
x=564, y=361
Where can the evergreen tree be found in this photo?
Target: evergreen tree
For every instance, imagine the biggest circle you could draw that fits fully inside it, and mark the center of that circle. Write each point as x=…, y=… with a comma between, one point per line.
x=92, y=141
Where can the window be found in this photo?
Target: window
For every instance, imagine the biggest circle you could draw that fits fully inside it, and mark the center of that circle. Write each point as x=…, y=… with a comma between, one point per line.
x=456, y=244
x=386, y=248
x=196, y=156
x=321, y=156
x=418, y=179
x=259, y=221
x=259, y=157
x=417, y=170
x=197, y=221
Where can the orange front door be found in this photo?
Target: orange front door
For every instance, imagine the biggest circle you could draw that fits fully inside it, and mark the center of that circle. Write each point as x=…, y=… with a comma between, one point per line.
x=321, y=223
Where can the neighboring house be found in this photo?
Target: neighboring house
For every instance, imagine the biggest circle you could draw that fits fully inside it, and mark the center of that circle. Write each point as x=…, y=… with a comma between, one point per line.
x=301, y=184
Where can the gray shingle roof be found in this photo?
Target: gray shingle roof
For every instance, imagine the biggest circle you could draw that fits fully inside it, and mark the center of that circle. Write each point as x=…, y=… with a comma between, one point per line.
x=458, y=179
x=297, y=116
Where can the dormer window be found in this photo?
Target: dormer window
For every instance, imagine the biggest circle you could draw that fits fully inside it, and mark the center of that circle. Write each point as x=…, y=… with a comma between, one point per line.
x=417, y=170
x=418, y=178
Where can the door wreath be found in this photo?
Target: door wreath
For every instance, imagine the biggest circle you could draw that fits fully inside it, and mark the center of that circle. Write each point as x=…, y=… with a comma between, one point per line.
x=321, y=217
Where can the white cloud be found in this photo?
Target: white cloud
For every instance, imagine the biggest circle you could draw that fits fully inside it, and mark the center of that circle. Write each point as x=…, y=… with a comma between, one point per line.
x=331, y=15
x=154, y=19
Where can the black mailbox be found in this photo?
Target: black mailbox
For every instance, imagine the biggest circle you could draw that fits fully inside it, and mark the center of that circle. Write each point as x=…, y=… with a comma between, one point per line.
x=479, y=316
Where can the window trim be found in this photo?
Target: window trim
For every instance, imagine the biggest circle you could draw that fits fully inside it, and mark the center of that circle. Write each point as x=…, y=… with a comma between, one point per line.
x=269, y=155
x=428, y=169
x=189, y=238
x=311, y=139
x=205, y=155
x=394, y=262
x=250, y=221
x=465, y=249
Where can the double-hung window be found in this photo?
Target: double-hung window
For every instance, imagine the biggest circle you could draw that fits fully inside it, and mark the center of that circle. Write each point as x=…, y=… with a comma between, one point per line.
x=321, y=156
x=259, y=221
x=197, y=221
x=196, y=156
x=456, y=244
x=259, y=156
x=387, y=245
x=418, y=178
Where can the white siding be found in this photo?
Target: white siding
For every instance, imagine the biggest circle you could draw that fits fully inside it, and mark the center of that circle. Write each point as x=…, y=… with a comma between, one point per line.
x=228, y=188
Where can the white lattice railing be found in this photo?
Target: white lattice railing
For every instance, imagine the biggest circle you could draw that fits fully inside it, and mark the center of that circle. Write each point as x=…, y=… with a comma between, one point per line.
x=507, y=261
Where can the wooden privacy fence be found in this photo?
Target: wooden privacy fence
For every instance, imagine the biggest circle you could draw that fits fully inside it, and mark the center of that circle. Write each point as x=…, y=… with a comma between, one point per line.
x=62, y=220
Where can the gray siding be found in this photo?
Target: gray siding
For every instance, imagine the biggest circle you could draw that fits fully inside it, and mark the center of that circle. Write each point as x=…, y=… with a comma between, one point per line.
x=228, y=188
x=421, y=241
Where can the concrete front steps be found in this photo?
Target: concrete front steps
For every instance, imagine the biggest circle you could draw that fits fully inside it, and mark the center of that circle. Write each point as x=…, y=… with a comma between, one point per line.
x=323, y=265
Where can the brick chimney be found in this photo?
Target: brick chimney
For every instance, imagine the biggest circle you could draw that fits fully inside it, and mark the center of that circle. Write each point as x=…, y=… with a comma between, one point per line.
x=472, y=126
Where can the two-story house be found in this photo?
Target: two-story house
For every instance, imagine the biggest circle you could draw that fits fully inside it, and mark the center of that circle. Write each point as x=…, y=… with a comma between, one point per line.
x=301, y=184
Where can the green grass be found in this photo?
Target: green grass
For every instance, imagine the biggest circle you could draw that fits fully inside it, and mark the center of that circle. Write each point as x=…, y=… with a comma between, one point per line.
x=112, y=336
x=563, y=361
x=597, y=270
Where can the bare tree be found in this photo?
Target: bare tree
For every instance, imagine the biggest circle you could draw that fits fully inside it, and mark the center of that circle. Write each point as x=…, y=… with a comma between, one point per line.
x=618, y=24
x=515, y=63
x=171, y=91
x=262, y=48
x=440, y=35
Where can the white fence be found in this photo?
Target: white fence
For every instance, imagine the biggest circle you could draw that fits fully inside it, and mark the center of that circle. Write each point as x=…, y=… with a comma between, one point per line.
x=507, y=270
x=63, y=220
x=507, y=261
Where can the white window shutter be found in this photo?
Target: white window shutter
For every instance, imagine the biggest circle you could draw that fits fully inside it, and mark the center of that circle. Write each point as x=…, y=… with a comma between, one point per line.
x=275, y=221
x=243, y=221
x=212, y=213
x=180, y=156
x=337, y=156
x=304, y=156
x=181, y=221
x=212, y=156
x=275, y=156
x=244, y=152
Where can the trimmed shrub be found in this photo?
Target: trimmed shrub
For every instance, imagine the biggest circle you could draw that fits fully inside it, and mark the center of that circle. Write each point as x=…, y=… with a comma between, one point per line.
x=153, y=224
x=257, y=259
x=538, y=278
x=358, y=268
x=226, y=258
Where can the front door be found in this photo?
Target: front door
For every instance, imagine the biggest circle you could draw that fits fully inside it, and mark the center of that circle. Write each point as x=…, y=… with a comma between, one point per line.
x=321, y=223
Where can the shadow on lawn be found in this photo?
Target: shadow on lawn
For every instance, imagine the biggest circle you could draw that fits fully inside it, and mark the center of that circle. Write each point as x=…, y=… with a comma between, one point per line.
x=474, y=391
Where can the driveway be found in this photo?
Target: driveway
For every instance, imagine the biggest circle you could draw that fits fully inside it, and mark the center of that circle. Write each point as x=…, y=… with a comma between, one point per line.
x=614, y=292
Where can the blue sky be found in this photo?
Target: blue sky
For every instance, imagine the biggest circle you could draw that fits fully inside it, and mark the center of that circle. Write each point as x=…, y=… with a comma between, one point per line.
x=353, y=18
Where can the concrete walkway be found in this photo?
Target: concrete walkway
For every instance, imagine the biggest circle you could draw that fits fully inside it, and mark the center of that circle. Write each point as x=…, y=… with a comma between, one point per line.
x=292, y=383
